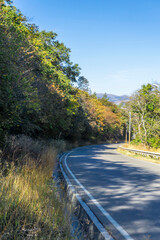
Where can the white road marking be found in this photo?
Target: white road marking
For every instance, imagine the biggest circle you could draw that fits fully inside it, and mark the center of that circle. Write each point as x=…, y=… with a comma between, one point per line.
x=106, y=214
x=86, y=208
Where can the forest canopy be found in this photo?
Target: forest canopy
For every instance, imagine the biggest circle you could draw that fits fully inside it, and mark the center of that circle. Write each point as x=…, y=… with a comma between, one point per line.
x=42, y=92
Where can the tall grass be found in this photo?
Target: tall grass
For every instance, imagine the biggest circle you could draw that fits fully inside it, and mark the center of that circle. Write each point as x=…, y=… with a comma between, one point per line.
x=30, y=207
x=141, y=147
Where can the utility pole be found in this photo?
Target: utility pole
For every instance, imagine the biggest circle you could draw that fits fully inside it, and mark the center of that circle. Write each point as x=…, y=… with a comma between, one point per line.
x=129, y=127
x=126, y=134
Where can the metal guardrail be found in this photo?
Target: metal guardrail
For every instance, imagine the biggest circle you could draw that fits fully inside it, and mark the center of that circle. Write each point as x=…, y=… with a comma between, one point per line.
x=145, y=153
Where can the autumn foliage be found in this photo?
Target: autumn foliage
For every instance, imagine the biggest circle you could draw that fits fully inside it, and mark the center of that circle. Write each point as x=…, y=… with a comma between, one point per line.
x=42, y=97
x=42, y=92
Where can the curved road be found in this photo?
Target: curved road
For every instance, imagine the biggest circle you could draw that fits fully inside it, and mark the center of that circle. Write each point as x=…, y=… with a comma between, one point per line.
x=126, y=188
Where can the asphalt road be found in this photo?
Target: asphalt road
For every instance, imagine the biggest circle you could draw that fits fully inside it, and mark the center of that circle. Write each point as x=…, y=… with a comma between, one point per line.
x=127, y=188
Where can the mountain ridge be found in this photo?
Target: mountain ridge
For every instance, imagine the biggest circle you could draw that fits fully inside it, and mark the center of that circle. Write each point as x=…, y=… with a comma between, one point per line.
x=117, y=99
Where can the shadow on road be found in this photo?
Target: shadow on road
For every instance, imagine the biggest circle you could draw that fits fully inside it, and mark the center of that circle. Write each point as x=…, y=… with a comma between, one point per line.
x=130, y=193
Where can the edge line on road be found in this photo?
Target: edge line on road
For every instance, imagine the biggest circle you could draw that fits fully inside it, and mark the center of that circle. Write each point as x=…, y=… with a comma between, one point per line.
x=86, y=208
x=105, y=213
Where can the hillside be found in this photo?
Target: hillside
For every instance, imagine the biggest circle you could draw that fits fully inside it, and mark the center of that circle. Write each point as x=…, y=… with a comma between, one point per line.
x=45, y=109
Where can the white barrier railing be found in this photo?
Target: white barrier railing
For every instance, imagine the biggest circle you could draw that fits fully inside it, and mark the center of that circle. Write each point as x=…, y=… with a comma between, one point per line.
x=145, y=153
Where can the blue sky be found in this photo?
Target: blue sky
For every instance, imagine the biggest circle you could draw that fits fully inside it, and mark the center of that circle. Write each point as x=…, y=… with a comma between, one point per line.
x=115, y=42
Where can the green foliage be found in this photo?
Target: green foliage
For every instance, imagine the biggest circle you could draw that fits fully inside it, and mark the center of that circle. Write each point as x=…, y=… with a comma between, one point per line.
x=83, y=84
x=145, y=109
x=38, y=83
x=39, y=98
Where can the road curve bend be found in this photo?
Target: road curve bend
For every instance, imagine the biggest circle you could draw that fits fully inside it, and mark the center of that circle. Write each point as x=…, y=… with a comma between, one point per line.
x=122, y=192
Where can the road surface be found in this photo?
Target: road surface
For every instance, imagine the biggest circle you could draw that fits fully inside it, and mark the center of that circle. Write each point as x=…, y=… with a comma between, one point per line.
x=126, y=190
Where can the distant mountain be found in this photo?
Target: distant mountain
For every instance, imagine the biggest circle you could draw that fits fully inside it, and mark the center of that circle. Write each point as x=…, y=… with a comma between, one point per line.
x=114, y=98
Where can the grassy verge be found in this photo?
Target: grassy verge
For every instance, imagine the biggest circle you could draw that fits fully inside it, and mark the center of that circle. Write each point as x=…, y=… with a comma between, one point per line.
x=141, y=147
x=138, y=156
x=30, y=207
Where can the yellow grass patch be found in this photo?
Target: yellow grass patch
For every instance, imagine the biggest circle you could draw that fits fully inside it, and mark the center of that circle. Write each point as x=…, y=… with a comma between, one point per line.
x=30, y=206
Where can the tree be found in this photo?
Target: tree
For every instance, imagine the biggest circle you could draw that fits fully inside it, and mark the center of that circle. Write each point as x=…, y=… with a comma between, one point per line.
x=145, y=108
x=105, y=96
x=37, y=87
x=83, y=84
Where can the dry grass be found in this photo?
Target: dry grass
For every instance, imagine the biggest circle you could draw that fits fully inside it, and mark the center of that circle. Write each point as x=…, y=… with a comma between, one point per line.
x=141, y=147
x=138, y=156
x=30, y=207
